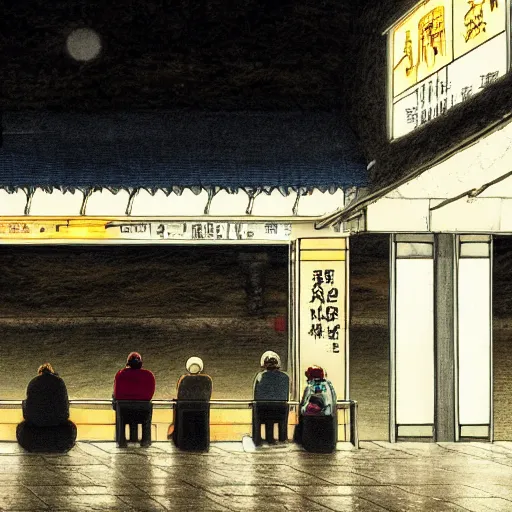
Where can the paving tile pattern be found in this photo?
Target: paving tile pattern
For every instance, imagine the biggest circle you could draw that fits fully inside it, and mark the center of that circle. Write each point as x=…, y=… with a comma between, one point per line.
x=405, y=477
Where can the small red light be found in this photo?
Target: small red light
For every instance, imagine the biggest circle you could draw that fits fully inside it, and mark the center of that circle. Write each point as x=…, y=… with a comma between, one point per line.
x=280, y=324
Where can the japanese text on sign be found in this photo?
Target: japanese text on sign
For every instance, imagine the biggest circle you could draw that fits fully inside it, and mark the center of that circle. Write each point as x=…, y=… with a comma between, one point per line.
x=324, y=308
x=442, y=53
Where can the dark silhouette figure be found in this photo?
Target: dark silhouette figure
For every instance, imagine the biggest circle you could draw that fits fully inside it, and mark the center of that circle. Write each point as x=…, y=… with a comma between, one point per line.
x=317, y=430
x=133, y=391
x=46, y=426
x=271, y=391
x=192, y=411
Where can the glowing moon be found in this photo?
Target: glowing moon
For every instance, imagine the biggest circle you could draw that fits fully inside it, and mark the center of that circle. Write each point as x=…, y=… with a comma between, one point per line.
x=83, y=44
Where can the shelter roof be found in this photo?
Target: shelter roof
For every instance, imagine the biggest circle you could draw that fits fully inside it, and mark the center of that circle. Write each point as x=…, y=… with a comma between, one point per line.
x=159, y=151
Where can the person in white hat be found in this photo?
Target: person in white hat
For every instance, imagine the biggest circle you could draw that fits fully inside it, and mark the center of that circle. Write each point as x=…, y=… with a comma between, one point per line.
x=194, y=365
x=194, y=391
x=271, y=392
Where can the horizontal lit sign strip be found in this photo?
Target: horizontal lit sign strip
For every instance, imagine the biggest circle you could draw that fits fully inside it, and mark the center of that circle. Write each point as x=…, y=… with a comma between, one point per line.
x=99, y=229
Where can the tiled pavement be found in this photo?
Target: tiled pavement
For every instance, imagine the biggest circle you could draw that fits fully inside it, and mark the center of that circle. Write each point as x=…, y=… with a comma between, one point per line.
x=379, y=476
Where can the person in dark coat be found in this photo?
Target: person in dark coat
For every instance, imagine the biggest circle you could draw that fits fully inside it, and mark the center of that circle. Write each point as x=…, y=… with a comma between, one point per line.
x=137, y=385
x=271, y=391
x=46, y=426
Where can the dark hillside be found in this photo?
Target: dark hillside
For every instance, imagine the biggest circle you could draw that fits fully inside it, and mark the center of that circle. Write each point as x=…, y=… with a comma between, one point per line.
x=133, y=281
x=369, y=333
x=85, y=308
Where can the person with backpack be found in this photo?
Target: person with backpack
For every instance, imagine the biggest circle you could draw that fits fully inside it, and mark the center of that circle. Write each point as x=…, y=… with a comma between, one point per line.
x=317, y=427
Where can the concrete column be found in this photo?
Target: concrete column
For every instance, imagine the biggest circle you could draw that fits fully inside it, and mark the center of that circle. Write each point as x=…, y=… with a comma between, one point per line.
x=444, y=336
x=412, y=336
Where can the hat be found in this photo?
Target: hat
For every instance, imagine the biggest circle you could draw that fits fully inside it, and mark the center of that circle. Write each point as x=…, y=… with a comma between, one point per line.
x=270, y=354
x=315, y=372
x=194, y=365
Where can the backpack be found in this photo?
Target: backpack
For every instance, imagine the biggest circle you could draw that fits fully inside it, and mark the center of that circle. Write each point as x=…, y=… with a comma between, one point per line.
x=318, y=399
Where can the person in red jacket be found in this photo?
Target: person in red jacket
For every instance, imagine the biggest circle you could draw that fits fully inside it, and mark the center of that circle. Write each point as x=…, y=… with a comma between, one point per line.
x=135, y=384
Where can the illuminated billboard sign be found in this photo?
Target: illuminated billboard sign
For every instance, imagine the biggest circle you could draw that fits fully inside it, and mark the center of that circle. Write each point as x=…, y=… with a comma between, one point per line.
x=442, y=53
x=141, y=230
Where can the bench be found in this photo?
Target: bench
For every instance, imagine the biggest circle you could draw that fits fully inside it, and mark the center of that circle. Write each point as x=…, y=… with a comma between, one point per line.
x=230, y=420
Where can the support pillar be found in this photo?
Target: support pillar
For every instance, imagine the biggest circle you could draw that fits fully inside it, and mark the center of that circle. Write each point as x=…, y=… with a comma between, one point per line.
x=474, y=342
x=444, y=337
x=412, y=364
x=322, y=310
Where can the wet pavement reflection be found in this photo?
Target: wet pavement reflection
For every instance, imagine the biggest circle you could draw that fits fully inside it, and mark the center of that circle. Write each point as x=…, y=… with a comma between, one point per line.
x=379, y=476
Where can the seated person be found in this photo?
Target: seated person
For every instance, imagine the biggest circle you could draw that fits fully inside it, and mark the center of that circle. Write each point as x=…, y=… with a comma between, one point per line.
x=318, y=402
x=46, y=426
x=192, y=412
x=271, y=390
x=136, y=386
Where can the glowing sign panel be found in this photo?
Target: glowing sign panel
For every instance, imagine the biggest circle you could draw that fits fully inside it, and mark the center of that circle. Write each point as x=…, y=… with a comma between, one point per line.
x=475, y=22
x=421, y=45
x=442, y=53
x=94, y=229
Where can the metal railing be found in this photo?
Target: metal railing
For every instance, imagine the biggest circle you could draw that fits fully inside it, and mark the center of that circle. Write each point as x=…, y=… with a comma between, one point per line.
x=351, y=405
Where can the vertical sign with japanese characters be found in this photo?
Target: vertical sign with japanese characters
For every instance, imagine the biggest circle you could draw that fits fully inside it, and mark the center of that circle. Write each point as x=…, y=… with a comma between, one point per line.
x=322, y=309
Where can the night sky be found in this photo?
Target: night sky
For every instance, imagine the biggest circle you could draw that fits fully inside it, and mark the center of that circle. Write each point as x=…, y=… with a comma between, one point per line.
x=198, y=54
x=215, y=55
